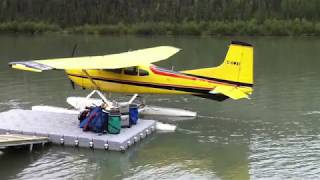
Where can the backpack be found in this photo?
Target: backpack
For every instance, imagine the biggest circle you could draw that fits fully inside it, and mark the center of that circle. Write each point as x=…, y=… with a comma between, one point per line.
x=95, y=121
x=100, y=123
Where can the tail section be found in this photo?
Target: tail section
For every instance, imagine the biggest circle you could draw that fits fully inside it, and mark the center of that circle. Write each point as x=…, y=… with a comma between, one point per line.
x=236, y=69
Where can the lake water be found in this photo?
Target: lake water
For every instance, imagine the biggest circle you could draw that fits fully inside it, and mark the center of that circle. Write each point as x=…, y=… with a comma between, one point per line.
x=274, y=135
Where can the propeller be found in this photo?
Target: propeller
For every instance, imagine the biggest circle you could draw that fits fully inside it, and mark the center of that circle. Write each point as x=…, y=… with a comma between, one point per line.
x=72, y=85
x=72, y=55
x=74, y=49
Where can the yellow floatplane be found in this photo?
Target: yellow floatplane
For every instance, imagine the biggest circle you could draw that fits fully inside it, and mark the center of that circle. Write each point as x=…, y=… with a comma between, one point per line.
x=133, y=72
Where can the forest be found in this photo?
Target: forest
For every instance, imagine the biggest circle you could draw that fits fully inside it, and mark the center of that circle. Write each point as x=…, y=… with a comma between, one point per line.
x=169, y=17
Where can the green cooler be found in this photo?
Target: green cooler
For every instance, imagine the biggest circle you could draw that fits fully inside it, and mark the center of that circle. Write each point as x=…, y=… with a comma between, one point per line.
x=114, y=122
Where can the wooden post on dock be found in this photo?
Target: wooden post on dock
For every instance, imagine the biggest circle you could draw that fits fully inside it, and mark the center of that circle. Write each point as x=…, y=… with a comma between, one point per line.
x=14, y=140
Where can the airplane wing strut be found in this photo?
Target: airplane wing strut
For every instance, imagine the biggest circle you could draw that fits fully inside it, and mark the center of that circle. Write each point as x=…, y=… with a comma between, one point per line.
x=90, y=78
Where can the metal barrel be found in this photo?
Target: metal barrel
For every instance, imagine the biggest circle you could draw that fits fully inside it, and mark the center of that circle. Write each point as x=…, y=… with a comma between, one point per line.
x=133, y=114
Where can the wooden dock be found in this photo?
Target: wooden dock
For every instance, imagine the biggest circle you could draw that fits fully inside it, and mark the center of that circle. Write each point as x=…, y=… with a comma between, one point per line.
x=13, y=140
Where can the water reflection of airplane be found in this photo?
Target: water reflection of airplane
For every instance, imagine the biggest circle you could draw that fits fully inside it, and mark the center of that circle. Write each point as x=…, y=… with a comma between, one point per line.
x=133, y=72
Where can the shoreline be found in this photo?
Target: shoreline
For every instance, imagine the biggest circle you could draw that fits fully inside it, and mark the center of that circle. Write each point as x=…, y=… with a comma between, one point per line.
x=269, y=27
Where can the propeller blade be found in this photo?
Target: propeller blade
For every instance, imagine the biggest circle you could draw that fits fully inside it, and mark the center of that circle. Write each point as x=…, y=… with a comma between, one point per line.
x=72, y=85
x=74, y=50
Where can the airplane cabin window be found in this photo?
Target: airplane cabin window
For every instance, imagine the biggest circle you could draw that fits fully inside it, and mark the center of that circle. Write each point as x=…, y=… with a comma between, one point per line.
x=131, y=71
x=143, y=72
x=118, y=71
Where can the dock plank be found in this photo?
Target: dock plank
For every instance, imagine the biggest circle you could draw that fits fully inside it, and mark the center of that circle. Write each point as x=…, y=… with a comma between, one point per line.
x=9, y=140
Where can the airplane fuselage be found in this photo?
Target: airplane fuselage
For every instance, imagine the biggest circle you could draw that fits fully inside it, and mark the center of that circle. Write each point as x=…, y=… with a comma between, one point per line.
x=148, y=80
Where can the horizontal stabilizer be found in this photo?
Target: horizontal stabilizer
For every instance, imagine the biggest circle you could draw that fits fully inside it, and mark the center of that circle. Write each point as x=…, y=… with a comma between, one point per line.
x=112, y=61
x=230, y=91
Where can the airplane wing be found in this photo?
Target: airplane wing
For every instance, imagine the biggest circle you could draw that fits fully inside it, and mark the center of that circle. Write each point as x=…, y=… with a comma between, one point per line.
x=112, y=61
x=230, y=91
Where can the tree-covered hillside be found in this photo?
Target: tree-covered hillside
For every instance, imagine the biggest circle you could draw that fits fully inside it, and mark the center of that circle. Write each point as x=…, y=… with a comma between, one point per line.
x=247, y=17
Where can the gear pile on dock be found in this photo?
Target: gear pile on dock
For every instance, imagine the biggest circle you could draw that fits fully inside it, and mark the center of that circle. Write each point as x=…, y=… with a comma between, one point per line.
x=100, y=119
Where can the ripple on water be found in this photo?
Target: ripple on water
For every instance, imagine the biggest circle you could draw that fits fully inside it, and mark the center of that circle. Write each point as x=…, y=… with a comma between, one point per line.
x=311, y=113
x=289, y=157
x=13, y=104
x=59, y=166
x=179, y=171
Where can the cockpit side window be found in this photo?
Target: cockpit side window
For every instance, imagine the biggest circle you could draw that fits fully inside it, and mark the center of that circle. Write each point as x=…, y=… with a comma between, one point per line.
x=118, y=71
x=143, y=72
x=131, y=71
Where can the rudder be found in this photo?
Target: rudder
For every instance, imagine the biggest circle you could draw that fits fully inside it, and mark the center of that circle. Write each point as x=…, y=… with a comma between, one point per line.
x=237, y=68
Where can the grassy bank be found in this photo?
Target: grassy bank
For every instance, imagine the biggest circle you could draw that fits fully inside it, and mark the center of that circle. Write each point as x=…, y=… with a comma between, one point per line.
x=28, y=27
x=269, y=27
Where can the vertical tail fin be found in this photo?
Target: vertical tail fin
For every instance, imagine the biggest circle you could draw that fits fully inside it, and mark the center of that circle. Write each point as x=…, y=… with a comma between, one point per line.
x=237, y=67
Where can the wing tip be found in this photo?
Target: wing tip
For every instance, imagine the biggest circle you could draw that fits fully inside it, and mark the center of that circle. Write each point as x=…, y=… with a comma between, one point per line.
x=29, y=66
x=172, y=48
x=23, y=67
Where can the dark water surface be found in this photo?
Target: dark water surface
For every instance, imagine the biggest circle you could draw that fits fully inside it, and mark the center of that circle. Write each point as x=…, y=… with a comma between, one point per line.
x=274, y=135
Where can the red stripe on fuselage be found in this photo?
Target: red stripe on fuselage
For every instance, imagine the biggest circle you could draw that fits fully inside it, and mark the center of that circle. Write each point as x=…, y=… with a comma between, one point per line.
x=171, y=74
x=158, y=71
